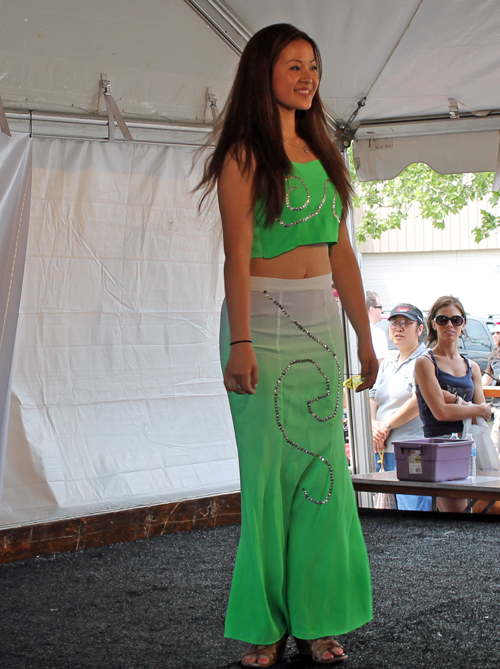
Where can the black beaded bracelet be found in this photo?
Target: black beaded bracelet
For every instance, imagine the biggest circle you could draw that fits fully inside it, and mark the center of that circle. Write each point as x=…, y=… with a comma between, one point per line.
x=241, y=341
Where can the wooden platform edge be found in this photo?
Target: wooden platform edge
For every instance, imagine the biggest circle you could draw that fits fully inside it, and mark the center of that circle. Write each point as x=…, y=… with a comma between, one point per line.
x=75, y=534
x=396, y=489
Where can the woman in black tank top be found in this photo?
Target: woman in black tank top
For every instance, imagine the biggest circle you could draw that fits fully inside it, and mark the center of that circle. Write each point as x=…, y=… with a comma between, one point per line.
x=444, y=369
x=461, y=389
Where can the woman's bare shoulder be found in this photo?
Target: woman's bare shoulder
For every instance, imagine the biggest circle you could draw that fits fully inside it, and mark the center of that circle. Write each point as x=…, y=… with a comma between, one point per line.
x=234, y=171
x=476, y=370
x=235, y=195
x=239, y=158
x=424, y=361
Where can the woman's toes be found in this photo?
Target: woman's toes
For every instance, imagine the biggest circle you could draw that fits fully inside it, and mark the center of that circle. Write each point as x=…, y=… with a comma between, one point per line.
x=329, y=655
x=251, y=659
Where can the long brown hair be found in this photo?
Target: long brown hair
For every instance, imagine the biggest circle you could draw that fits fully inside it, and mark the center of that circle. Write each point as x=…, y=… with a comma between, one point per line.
x=444, y=301
x=250, y=126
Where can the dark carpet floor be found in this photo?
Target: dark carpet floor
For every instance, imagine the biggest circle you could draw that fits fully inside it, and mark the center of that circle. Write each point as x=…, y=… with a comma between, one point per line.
x=159, y=603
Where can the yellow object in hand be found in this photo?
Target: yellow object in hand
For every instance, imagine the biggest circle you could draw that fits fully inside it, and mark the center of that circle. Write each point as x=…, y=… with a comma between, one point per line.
x=353, y=382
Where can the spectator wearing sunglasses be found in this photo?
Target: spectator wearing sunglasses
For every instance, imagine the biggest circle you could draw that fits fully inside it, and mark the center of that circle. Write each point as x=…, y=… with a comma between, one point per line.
x=443, y=368
x=393, y=401
x=494, y=370
x=379, y=340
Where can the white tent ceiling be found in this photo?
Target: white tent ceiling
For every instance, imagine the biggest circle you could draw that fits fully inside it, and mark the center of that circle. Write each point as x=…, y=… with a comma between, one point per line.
x=159, y=56
x=407, y=57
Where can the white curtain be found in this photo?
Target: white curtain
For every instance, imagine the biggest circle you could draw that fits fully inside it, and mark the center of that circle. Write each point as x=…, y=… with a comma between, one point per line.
x=117, y=394
x=15, y=186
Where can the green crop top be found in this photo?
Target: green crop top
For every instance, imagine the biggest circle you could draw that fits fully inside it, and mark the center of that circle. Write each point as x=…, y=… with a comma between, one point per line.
x=311, y=214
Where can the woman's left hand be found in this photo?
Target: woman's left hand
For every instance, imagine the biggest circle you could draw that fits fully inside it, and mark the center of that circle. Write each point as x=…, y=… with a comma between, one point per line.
x=380, y=431
x=369, y=366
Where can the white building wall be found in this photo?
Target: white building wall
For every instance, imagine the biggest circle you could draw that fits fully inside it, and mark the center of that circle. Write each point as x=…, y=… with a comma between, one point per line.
x=419, y=263
x=420, y=278
x=420, y=235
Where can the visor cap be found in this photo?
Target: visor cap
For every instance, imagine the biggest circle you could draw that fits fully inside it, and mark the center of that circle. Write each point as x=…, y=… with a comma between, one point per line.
x=408, y=311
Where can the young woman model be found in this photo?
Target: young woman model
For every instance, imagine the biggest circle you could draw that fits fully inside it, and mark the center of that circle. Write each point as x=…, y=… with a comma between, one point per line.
x=283, y=190
x=444, y=369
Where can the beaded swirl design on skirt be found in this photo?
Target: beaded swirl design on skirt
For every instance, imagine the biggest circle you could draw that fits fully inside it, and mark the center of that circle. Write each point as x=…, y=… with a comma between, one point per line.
x=309, y=402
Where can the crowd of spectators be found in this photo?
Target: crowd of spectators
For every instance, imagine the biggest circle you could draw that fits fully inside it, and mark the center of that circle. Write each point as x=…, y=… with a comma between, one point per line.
x=426, y=389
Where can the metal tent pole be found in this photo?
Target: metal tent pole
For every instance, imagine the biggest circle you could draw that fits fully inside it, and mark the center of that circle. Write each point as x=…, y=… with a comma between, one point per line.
x=358, y=404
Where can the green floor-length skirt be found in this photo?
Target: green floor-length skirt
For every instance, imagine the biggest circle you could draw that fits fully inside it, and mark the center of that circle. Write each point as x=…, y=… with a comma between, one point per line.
x=301, y=565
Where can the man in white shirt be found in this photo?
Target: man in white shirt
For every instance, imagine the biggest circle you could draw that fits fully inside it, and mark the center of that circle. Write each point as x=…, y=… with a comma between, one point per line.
x=379, y=338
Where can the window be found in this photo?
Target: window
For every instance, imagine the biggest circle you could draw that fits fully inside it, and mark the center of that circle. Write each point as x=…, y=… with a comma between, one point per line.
x=475, y=338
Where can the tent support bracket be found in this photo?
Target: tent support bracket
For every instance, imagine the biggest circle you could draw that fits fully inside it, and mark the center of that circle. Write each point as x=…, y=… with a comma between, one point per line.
x=113, y=112
x=222, y=21
x=496, y=183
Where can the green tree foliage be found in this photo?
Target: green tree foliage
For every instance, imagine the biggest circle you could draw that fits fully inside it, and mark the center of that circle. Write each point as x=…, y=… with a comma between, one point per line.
x=387, y=204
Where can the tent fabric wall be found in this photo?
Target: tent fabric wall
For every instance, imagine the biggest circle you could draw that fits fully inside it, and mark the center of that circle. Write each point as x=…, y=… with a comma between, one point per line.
x=117, y=394
x=376, y=160
x=15, y=190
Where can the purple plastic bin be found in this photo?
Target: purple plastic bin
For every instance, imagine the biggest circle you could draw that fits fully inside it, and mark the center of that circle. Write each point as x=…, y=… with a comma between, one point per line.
x=432, y=459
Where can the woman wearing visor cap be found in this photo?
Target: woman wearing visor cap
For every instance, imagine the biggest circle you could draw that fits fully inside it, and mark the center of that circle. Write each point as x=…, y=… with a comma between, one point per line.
x=393, y=401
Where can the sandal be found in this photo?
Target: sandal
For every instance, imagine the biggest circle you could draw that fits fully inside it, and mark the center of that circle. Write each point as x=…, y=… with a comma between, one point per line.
x=271, y=651
x=317, y=647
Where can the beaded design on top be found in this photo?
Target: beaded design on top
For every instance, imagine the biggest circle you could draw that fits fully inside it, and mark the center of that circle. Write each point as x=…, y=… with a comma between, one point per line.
x=291, y=188
x=310, y=402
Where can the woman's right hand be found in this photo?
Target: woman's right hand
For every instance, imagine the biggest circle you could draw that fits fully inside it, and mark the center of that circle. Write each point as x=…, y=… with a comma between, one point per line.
x=449, y=398
x=241, y=374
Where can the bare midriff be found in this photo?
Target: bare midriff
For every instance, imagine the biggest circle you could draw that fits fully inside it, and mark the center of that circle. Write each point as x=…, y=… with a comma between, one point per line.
x=303, y=262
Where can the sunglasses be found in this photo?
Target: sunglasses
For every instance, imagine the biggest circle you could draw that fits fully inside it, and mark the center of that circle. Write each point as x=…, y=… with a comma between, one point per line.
x=377, y=306
x=403, y=323
x=455, y=320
